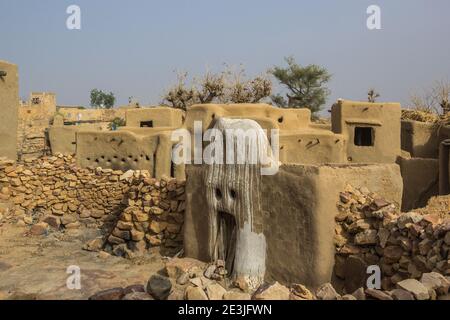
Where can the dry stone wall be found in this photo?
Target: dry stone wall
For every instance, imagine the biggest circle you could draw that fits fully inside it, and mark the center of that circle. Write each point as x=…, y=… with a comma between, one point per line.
x=54, y=192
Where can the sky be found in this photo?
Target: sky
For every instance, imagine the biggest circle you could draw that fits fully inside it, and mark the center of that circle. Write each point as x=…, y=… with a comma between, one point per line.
x=135, y=48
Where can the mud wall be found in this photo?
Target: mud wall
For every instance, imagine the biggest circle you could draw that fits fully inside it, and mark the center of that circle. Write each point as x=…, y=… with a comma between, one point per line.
x=9, y=103
x=298, y=210
x=420, y=181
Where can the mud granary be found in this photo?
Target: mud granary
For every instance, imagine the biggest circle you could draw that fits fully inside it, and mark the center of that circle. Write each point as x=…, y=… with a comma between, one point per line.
x=266, y=227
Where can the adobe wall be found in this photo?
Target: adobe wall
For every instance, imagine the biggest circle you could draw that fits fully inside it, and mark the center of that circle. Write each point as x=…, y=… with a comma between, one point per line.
x=266, y=115
x=383, y=119
x=420, y=139
x=9, y=103
x=159, y=117
x=76, y=115
x=62, y=139
x=298, y=210
x=125, y=150
x=312, y=146
x=35, y=117
x=420, y=181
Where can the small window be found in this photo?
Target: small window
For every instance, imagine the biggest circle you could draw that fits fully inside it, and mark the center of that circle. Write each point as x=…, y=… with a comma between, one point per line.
x=146, y=124
x=364, y=136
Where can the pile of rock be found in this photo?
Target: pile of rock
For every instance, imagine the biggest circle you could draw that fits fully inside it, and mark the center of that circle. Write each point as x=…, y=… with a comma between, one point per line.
x=372, y=231
x=154, y=217
x=431, y=286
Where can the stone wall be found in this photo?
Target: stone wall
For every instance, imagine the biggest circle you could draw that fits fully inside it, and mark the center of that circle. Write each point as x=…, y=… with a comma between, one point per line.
x=55, y=191
x=154, y=217
x=31, y=138
x=372, y=231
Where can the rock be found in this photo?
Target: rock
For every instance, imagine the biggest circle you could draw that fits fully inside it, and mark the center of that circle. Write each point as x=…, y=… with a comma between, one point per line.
x=359, y=294
x=215, y=291
x=85, y=214
x=400, y=294
x=157, y=226
x=66, y=219
x=435, y=281
x=210, y=271
x=110, y=294
x=177, y=266
x=52, y=221
x=327, y=292
x=195, y=293
x=94, y=245
x=355, y=270
x=393, y=253
x=159, y=287
x=103, y=255
x=236, y=295
x=378, y=294
x=300, y=292
x=367, y=237
x=413, y=286
x=447, y=238
x=28, y=220
x=39, y=229
x=97, y=214
x=242, y=283
x=183, y=279
x=138, y=296
x=176, y=294
x=274, y=291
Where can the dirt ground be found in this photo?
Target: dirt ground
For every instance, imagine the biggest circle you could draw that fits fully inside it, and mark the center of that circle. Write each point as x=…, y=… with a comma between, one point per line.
x=35, y=267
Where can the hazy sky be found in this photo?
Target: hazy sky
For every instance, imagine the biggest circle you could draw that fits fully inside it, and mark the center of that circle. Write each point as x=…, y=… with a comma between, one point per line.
x=133, y=47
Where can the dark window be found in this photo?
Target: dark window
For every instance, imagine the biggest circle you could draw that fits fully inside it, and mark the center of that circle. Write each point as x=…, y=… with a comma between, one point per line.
x=364, y=136
x=146, y=124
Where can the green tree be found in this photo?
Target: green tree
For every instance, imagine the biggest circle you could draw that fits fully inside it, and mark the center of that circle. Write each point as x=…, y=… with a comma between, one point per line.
x=100, y=99
x=305, y=85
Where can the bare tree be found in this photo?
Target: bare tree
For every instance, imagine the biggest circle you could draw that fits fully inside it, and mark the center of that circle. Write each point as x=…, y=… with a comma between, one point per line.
x=228, y=86
x=433, y=100
x=372, y=95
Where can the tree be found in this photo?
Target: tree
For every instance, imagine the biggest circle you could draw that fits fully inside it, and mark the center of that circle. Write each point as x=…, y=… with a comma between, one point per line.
x=116, y=122
x=305, y=85
x=372, y=95
x=433, y=100
x=100, y=99
x=224, y=87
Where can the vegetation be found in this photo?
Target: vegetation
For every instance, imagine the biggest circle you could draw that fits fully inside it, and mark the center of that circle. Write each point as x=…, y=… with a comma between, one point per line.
x=117, y=122
x=432, y=105
x=372, y=95
x=100, y=99
x=305, y=85
x=224, y=87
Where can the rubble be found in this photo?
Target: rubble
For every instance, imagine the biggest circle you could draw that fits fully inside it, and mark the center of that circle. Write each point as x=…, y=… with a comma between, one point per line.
x=406, y=246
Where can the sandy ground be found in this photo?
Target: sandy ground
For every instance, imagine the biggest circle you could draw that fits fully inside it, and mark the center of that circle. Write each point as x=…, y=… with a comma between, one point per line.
x=35, y=267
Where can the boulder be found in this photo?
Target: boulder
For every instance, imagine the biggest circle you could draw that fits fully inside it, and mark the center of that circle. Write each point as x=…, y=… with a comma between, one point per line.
x=159, y=287
x=273, y=291
x=110, y=294
x=414, y=287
